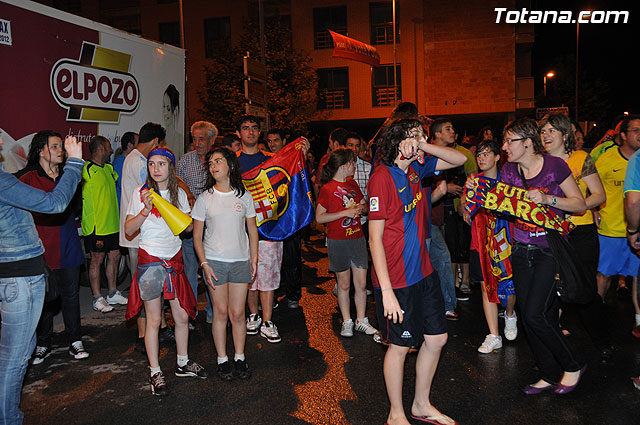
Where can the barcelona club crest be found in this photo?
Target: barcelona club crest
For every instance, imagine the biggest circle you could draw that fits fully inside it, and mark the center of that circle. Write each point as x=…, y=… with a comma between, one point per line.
x=270, y=192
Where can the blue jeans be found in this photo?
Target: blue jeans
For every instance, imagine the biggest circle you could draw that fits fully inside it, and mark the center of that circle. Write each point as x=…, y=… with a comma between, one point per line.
x=68, y=280
x=21, y=300
x=441, y=262
x=191, y=270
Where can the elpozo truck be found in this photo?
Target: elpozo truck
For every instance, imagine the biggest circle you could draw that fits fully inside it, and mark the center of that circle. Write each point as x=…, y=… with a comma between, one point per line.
x=78, y=77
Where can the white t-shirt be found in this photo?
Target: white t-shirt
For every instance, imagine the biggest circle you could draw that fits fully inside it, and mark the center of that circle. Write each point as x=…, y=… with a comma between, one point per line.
x=155, y=235
x=134, y=174
x=225, y=216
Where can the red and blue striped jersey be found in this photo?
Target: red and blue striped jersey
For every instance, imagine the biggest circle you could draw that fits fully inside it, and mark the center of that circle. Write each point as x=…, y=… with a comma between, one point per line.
x=399, y=199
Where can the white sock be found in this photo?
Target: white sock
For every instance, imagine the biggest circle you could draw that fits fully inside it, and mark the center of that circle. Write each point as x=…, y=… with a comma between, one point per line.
x=182, y=360
x=637, y=319
x=223, y=359
x=154, y=370
x=237, y=357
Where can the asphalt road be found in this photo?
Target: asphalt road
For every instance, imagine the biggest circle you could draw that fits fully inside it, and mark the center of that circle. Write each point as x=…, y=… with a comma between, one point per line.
x=315, y=376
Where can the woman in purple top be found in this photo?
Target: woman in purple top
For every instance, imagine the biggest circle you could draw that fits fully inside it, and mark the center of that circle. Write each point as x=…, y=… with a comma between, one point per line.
x=550, y=183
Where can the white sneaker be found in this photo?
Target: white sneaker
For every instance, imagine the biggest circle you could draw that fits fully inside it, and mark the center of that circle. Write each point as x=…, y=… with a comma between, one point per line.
x=101, y=305
x=511, y=326
x=40, y=354
x=270, y=331
x=491, y=342
x=364, y=326
x=117, y=299
x=347, y=328
x=77, y=351
x=253, y=324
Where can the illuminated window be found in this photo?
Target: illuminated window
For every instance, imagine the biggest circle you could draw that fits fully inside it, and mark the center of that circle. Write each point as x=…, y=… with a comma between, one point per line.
x=382, y=85
x=333, y=88
x=328, y=18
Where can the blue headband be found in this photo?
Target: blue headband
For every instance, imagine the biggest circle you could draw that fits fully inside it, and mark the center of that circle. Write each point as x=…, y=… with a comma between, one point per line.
x=162, y=152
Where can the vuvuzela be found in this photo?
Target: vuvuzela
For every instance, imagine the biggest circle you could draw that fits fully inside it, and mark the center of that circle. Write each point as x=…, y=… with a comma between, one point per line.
x=175, y=219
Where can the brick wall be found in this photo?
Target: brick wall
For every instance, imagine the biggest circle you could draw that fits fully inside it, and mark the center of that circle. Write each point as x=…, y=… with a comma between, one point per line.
x=469, y=60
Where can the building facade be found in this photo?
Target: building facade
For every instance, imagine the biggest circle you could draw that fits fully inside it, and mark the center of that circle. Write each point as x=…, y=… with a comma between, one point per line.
x=451, y=57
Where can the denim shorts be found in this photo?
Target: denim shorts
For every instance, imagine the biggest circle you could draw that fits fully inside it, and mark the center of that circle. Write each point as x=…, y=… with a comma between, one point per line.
x=231, y=272
x=347, y=253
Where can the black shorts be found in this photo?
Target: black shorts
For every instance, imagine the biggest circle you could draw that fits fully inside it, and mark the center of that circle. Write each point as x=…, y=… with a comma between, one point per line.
x=101, y=243
x=423, y=307
x=475, y=269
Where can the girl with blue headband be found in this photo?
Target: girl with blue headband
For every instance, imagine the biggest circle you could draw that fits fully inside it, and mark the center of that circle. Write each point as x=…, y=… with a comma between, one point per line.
x=160, y=272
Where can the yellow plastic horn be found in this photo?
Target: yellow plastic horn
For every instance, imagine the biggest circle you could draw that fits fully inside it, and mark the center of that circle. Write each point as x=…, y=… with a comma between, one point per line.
x=175, y=219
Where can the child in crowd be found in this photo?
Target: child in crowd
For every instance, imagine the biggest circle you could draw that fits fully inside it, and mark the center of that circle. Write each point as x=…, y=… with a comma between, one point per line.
x=228, y=256
x=409, y=300
x=160, y=268
x=488, y=157
x=340, y=204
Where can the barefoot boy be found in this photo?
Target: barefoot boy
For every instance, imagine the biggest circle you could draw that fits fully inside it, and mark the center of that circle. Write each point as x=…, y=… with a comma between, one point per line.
x=408, y=297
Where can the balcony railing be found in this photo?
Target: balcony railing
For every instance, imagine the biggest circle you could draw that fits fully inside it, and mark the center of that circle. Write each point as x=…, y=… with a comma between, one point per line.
x=323, y=40
x=334, y=99
x=383, y=96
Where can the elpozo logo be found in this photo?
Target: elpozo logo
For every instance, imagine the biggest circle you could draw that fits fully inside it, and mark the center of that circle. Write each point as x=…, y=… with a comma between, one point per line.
x=97, y=87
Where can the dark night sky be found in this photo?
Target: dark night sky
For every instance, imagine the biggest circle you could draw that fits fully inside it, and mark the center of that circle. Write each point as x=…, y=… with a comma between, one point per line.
x=609, y=51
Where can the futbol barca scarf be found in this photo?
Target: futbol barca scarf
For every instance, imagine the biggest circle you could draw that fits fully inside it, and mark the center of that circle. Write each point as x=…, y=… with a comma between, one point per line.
x=504, y=198
x=494, y=249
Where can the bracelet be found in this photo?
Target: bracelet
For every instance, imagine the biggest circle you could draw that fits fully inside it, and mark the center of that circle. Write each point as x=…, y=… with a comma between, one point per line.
x=144, y=215
x=386, y=289
x=554, y=201
x=629, y=232
x=203, y=263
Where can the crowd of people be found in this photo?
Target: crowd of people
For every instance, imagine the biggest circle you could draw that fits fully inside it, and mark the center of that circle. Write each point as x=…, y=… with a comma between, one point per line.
x=398, y=203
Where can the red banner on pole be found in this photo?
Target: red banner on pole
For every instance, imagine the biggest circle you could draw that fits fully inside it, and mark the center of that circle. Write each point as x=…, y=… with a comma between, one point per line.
x=349, y=48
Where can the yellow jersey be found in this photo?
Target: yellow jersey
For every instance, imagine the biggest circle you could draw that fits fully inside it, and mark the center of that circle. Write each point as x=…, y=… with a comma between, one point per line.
x=581, y=165
x=612, y=167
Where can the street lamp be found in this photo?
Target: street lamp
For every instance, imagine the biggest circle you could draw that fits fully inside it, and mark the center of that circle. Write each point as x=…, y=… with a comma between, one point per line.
x=550, y=74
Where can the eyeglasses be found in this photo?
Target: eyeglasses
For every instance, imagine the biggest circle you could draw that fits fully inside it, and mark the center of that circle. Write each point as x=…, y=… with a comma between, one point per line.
x=510, y=141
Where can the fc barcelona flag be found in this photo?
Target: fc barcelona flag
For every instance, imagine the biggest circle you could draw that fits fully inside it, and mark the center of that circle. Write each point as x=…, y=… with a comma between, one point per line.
x=281, y=193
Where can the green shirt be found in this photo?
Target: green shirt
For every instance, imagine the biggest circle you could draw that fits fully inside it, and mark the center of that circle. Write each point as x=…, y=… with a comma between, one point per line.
x=602, y=148
x=100, y=213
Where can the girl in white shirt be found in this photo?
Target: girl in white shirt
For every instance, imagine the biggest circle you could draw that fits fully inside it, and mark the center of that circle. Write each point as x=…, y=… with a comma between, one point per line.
x=160, y=272
x=228, y=255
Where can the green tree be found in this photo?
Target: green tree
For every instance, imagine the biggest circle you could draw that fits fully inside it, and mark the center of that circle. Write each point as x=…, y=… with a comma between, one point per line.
x=291, y=81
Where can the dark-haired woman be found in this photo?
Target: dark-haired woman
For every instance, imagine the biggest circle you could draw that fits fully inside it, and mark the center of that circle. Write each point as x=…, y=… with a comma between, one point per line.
x=228, y=254
x=557, y=136
x=340, y=205
x=549, y=182
x=62, y=249
x=171, y=116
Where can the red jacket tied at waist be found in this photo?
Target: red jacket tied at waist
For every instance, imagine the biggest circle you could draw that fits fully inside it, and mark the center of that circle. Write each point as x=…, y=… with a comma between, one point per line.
x=176, y=284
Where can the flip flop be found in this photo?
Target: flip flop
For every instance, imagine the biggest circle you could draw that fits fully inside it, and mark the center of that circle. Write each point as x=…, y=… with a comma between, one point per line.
x=433, y=419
